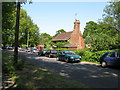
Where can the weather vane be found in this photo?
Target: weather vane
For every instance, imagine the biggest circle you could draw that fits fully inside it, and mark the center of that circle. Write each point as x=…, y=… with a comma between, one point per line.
x=75, y=16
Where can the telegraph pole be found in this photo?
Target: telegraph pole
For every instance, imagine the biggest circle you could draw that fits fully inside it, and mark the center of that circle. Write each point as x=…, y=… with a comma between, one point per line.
x=17, y=33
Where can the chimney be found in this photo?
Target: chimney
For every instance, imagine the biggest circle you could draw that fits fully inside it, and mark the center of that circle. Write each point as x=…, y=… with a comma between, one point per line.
x=76, y=36
x=77, y=26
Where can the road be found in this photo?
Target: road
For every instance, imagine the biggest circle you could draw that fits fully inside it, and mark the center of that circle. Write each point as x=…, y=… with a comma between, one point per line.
x=87, y=73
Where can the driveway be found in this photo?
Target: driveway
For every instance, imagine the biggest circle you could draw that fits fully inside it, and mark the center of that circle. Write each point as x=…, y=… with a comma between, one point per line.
x=87, y=73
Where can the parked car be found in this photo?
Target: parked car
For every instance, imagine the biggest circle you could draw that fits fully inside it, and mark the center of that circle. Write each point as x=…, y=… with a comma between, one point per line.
x=0, y=49
x=68, y=56
x=19, y=49
x=27, y=49
x=7, y=47
x=10, y=48
x=4, y=47
x=110, y=59
x=34, y=50
x=51, y=53
x=42, y=52
x=22, y=48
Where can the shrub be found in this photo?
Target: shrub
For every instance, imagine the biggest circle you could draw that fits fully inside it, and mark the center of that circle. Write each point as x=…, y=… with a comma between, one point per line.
x=9, y=69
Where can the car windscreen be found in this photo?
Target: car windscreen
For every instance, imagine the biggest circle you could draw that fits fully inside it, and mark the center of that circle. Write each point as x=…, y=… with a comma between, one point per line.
x=44, y=50
x=69, y=52
x=54, y=51
x=34, y=49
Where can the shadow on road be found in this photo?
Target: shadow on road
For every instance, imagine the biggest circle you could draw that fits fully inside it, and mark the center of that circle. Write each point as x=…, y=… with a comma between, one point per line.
x=90, y=74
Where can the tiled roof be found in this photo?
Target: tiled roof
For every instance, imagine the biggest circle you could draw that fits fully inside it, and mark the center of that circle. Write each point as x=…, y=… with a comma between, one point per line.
x=68, y=45
x=63, y=36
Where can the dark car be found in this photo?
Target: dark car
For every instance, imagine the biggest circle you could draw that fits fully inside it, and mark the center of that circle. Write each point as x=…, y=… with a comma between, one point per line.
x=28, y=49
x=5, y=47
x=110, y=59
x=68, y=56
x=51, y=53
x=42, y=52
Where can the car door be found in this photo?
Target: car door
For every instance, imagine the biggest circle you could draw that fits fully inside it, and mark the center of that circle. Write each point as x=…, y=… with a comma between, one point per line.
x=47, y=53
x=61, y=55
x=117, y=58
x=110, y=58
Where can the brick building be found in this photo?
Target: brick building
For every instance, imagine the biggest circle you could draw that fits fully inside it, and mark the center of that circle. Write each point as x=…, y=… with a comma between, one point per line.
x=74, y=37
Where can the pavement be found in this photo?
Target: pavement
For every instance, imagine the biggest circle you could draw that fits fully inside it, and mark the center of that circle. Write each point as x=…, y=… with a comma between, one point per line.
x=90, y=74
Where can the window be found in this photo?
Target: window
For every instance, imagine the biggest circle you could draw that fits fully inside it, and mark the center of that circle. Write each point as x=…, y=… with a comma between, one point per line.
x=118, y=55
x=111, y=55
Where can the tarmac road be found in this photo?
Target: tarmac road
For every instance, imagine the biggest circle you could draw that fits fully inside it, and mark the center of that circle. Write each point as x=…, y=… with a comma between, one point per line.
x=87, y=73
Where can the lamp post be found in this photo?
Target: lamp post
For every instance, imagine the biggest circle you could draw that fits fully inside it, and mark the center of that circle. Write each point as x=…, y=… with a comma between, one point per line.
x=28, y=39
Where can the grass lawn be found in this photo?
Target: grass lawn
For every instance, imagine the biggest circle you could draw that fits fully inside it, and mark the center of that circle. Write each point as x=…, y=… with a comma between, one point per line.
x=31, y=77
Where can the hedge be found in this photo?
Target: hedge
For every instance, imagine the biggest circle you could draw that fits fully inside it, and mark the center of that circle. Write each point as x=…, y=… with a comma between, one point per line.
x=90, y=56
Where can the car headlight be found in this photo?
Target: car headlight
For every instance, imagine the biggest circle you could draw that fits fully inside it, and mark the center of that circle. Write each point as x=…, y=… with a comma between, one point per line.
x=71, y=57
x=79, y=56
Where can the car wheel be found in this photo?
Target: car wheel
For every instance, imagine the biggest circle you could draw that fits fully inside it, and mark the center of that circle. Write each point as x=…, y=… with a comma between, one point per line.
x=57, y=58
x=104, y=64
x=49, y=56
x=67, y=60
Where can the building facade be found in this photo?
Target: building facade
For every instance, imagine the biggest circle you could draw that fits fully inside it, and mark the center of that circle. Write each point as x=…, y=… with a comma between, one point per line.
x=74, y=37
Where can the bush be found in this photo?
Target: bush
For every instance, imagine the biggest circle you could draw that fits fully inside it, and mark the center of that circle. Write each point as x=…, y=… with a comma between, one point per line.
x=9, y=69
x=64, y=49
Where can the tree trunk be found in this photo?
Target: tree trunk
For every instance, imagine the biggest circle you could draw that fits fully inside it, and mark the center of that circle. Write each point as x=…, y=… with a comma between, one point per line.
x=17, y=34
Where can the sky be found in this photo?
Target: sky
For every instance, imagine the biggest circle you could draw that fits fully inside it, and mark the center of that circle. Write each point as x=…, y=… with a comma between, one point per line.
x=53, y=16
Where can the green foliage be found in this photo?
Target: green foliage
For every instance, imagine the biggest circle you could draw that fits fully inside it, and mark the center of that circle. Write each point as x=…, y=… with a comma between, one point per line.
x=64, y=49
x=90, y=56
x=112, y=14
x=90, y=28
x=8, y=22
x=7, y=64
x=45, y=39
x=58, y=44
x=28, y=31
x=59, y=32
x=9, y=69
x=104, y=35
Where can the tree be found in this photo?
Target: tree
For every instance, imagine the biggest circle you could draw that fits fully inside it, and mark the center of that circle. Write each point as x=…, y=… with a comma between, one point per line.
x=29, y=32
x=45, y=38
x=90, y=28
x=15, y=32
x=106, y=33
x=59, y=32
x=112, y=14
x=100, y=36
x=112, y=17
x=8, y=22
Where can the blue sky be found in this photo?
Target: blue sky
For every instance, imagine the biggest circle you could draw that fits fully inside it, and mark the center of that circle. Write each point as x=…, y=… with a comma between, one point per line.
x=53, y=16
